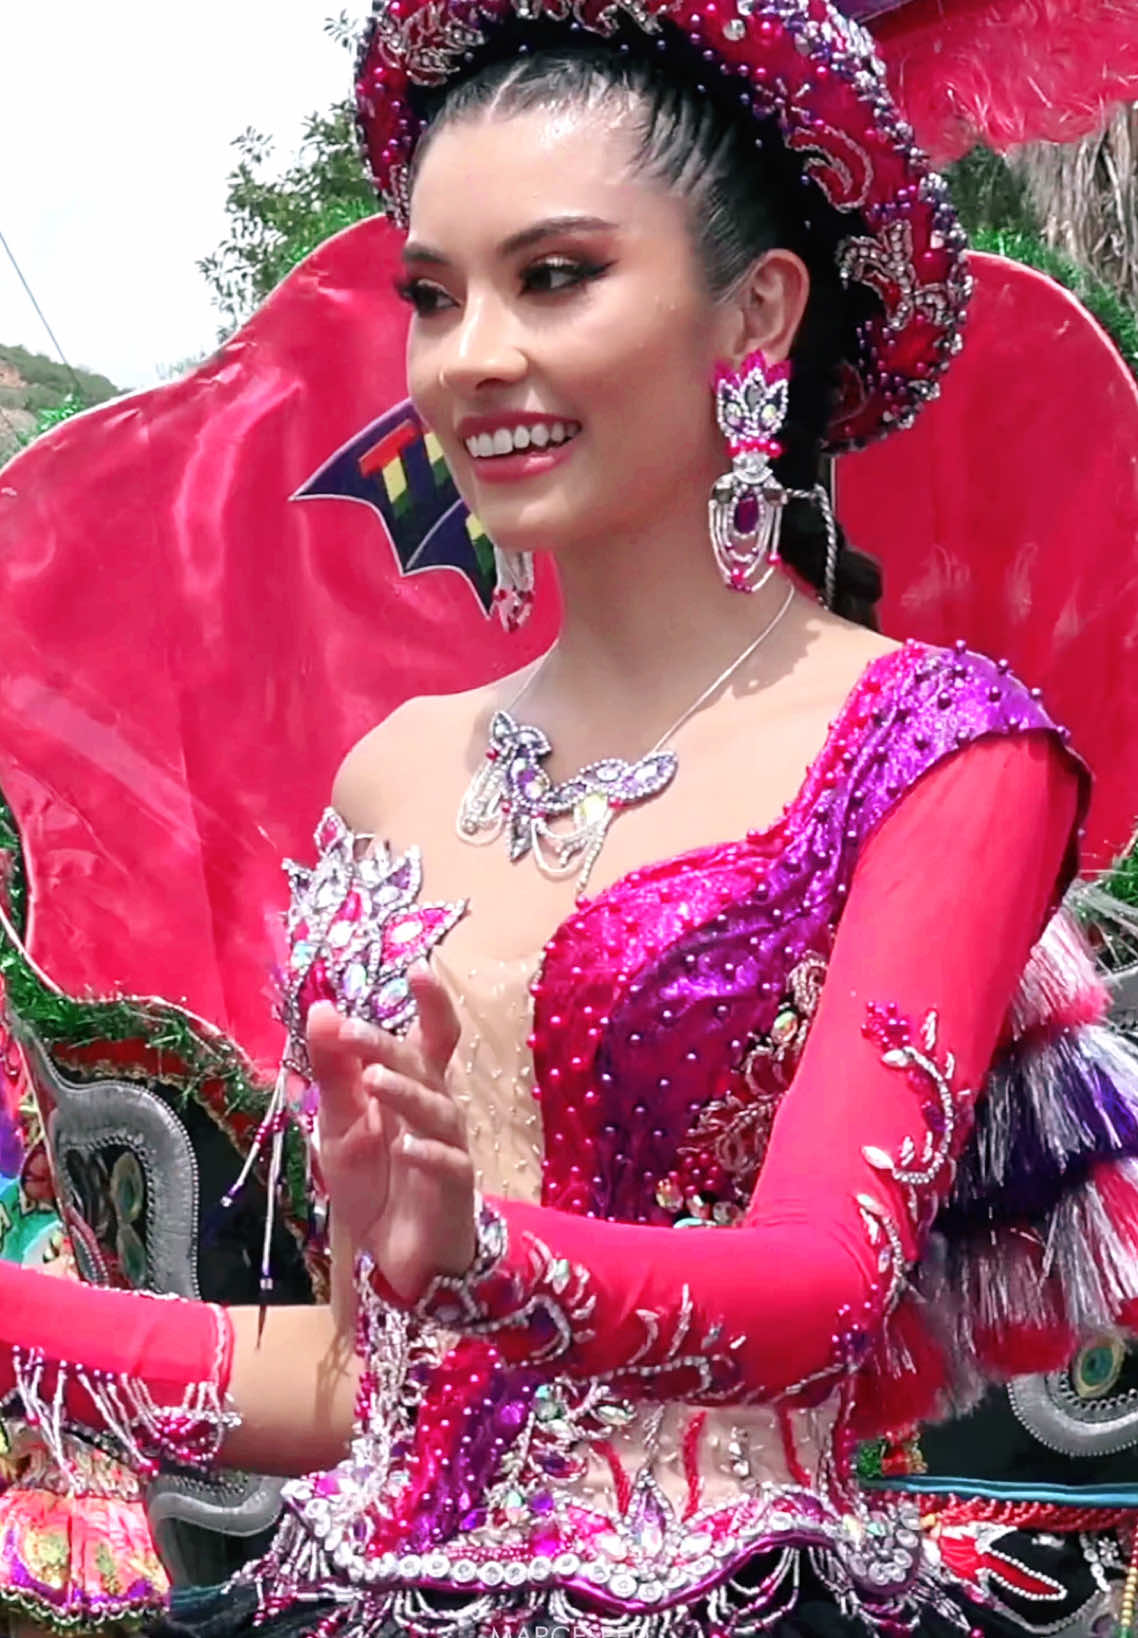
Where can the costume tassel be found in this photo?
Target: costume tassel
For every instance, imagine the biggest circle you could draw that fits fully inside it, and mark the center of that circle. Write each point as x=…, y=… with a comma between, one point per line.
x=270, y=1133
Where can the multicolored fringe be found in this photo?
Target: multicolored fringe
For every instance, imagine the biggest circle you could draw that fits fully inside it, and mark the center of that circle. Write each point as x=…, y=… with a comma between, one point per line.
x=1036, y=1247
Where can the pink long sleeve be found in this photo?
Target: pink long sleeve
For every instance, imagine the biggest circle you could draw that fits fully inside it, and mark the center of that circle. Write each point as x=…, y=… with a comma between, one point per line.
x=947, y=899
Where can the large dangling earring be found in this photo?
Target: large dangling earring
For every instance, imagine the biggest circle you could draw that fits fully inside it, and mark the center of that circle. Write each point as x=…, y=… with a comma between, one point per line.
x=746, y=504
x=512, y=600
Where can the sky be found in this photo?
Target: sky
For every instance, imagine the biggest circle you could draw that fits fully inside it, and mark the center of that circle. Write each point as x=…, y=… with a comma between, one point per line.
x=116, y=124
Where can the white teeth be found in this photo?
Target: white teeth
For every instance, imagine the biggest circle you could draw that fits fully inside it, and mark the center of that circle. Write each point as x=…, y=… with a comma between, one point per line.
x=504, y=441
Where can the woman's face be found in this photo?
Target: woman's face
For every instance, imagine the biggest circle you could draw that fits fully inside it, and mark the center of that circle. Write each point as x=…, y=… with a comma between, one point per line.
x=563, y=339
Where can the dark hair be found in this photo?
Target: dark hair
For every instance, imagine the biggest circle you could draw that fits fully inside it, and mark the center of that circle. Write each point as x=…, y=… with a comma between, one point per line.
x=747, y=193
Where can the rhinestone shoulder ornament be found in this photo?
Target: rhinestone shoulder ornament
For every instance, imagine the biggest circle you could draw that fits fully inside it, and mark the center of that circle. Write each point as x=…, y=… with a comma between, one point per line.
x=355, y=929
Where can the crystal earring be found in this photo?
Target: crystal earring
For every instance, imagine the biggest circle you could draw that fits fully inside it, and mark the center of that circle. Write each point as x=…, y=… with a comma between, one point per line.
x=745, y=508
x=512, y=600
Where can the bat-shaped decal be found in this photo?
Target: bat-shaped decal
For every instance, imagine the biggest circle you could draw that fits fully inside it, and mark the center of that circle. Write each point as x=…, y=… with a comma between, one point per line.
x=397, y=468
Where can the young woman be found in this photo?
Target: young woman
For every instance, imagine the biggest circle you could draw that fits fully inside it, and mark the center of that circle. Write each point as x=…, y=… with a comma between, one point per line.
x=679, y=1164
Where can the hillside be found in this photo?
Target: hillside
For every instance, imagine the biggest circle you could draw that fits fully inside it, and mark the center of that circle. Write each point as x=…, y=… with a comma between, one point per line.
x=31, y=384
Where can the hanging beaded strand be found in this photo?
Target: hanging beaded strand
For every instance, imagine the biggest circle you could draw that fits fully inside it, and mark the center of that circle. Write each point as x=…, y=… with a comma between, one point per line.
x=1128, y=1607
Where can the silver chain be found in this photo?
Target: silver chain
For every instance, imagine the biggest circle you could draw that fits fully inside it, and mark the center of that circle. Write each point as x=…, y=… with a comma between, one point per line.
x=712, y=688
x=511, y=793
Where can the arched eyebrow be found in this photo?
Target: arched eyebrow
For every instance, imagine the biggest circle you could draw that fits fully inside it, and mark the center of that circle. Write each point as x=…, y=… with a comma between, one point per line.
x=547, y=228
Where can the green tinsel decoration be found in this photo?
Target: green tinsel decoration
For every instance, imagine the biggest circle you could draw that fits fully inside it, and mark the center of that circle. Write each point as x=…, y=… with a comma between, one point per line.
x=868, y=1462
x=13, y=876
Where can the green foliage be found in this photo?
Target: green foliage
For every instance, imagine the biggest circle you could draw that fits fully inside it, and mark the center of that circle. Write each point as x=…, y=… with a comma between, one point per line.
x=46, y=416
x=57, y=413
x=277, y=220
x=1122, y=882
x=988, y=195
x=45, y=394
x=51, y=384
x=998, y=218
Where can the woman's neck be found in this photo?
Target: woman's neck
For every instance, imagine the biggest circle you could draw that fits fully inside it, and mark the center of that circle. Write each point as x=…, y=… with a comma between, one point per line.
x=647, y=624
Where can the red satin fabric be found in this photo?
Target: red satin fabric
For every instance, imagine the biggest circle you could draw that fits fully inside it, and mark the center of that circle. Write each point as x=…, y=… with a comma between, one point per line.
x=185, y=656
x=1008, y=515
x=169, y=1348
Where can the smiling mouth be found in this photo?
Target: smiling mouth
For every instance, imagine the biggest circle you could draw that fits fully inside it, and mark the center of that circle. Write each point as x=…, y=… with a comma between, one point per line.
x=539, y=435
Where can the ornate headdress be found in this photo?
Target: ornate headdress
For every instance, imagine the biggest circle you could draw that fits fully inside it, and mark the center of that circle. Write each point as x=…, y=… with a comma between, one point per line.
x=799, y=63
x=846, y=104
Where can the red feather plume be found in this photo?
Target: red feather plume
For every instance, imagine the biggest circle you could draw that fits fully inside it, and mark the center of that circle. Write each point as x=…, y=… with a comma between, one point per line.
x=1008, y=71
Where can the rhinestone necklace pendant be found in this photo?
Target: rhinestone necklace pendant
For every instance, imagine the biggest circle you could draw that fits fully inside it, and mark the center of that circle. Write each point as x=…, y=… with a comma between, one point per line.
x=563, y=825
x=512, y=792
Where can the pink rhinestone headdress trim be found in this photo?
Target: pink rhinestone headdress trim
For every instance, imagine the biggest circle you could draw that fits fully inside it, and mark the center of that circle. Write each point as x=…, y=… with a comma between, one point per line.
x=799, y=61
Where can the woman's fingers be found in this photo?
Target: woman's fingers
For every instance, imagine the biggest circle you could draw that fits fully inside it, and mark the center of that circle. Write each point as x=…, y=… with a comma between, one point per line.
x=335, y=1069
x=424, y=1055
x=439, y=1027
x=379, y=1046
x=434, y=1116
x=356, y=1143
x=447, y=1164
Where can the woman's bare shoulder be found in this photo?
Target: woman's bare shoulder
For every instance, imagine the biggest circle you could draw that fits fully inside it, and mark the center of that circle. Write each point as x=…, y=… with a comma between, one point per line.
x=443, y=726
x=835, y=655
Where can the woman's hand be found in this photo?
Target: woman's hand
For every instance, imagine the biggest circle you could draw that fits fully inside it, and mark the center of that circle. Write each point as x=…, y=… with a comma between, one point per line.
x=393, y=1146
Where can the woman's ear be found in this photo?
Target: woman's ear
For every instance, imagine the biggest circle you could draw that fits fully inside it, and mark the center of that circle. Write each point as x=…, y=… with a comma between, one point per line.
x=768, y=306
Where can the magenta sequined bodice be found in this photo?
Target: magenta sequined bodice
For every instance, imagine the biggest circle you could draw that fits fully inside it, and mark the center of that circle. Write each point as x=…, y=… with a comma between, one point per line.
x=669, y=1010
x=669, y=1013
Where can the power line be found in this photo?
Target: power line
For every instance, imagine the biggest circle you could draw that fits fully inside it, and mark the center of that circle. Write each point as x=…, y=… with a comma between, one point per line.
x=43, y=318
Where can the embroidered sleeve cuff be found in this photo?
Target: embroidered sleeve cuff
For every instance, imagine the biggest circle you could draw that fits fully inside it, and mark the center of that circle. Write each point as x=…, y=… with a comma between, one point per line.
x=542, y=1300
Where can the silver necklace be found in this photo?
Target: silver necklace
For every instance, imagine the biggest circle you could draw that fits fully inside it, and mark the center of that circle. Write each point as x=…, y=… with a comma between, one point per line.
x=512, y=793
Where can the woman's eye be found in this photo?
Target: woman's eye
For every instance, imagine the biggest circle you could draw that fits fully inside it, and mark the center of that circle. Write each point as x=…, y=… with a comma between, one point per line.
x=560, y=274
x=424, y=297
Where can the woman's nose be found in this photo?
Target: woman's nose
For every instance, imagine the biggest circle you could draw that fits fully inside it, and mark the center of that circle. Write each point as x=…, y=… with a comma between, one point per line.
x=484, y=347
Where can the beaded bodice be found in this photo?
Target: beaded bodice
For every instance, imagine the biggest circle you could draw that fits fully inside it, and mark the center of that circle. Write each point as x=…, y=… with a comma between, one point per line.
x=662, y=1021
x=631, y=1071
